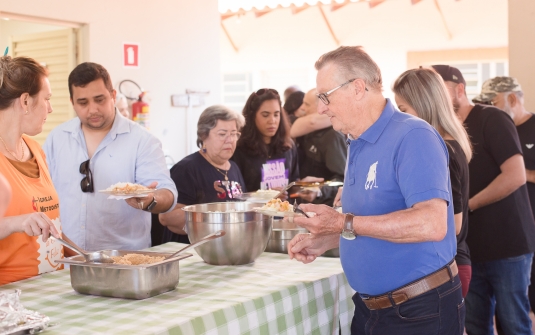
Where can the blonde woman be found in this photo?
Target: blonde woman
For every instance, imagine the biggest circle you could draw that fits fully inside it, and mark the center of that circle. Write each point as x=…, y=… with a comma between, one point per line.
x=422, y=93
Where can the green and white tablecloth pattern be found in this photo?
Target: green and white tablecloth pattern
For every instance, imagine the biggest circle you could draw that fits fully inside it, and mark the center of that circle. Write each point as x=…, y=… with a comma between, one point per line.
x=274, y=295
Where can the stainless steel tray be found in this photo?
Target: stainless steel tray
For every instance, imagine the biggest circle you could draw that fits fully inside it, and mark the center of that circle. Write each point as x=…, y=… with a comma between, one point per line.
x=124, y=281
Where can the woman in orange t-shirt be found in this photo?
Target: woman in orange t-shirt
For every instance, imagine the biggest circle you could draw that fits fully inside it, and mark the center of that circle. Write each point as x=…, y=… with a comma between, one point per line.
x=34, y=209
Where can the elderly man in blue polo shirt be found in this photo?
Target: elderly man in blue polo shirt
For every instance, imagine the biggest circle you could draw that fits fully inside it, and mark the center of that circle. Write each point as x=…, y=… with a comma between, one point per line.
x=397, y=233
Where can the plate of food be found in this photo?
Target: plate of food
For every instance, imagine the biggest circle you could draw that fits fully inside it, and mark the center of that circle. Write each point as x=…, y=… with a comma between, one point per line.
x=277, y=207
x=128, y=189
x=258, y=196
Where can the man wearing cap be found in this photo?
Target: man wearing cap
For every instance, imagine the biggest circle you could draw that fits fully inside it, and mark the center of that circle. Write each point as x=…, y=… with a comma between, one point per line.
x=502, y=230
x=506, y=94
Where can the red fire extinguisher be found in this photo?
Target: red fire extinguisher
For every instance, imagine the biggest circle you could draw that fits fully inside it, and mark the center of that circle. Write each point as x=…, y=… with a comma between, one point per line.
x=140, y=111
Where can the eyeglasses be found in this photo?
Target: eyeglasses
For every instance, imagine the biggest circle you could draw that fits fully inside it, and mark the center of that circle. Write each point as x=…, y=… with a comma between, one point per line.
x=87, y=182
x=262, y=91
x=324, y=96
x=223, y=137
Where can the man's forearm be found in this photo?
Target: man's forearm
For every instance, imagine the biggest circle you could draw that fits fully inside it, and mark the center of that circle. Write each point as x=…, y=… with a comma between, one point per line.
x=165, y=200
x=498, y=189
x=426, y=221
x=530, y=176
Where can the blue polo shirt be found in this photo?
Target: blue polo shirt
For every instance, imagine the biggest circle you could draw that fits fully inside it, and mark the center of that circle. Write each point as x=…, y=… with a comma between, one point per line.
x=399, y=161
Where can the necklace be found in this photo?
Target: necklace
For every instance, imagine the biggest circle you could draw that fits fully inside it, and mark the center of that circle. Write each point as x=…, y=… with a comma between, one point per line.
x=12, y=153
x=224, y=174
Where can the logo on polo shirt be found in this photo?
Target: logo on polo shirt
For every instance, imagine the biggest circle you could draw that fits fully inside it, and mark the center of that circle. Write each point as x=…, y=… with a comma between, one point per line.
x=371, y=180
x=529, y=146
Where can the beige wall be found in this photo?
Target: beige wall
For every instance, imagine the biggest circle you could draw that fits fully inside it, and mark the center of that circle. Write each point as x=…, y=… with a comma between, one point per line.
x=522, y=47
x=179, y=49
x=418, y=58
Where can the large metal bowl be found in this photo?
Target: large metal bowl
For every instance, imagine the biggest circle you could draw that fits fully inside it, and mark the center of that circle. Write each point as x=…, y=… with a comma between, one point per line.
x=247, y=232
x=283, y=232
x=124, y=281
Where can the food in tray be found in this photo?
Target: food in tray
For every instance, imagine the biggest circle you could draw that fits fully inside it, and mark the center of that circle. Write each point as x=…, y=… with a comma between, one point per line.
x=136, y=259
x=277, y=205
x=127, y=188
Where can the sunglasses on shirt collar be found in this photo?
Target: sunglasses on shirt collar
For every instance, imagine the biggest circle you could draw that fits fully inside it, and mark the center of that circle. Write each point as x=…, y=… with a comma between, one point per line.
x=86, y=184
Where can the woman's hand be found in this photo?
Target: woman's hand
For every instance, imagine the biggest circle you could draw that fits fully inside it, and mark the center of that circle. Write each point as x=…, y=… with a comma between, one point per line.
x=33, y=224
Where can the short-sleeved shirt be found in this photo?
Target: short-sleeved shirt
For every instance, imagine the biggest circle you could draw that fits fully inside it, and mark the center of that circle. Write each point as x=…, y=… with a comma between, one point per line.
x=23, y=256
x=459, y=177
x=199, y=182
x=504, y=228
x=396, y=163
x=526, y=135
x=128, y=153
x=261, y=172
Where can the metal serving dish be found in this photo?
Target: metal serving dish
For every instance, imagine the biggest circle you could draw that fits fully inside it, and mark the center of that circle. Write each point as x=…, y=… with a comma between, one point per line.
x=124, y=281
x=282, y=234
x=247, y=232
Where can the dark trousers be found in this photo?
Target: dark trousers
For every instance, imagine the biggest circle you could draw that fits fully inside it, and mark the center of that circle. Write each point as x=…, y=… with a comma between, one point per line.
x=439, y=311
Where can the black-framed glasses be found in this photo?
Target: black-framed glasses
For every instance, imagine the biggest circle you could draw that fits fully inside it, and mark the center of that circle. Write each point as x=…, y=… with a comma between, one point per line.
x=262, y=91
x=87, y=182
x=324, y=96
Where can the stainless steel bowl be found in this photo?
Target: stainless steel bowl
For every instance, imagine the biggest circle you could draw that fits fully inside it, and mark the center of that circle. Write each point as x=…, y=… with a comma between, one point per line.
x=124, y=281
x=282, y=234
x=247, y=232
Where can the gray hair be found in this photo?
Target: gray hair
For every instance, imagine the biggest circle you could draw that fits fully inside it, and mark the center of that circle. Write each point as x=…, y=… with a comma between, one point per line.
x=353, y=62
x=210, y=116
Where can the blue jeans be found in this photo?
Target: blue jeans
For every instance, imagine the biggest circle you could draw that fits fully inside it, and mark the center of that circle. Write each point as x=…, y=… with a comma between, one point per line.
x=437, y=312
x=501, y=284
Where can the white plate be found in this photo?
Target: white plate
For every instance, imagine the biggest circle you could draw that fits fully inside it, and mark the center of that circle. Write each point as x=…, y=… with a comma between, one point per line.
x=136, y=193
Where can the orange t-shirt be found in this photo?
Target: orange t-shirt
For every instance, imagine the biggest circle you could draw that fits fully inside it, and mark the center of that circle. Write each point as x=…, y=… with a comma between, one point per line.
x=23, y=256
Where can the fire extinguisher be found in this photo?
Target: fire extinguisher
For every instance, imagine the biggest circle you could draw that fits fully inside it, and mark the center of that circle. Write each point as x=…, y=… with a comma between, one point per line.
x=140, y=111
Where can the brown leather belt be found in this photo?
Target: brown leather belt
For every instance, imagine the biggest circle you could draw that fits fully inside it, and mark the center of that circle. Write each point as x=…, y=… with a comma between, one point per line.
x=414, y=289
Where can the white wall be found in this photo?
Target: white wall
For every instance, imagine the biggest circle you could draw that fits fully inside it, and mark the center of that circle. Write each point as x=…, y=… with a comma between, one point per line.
x=179, y=49
x=281, y=40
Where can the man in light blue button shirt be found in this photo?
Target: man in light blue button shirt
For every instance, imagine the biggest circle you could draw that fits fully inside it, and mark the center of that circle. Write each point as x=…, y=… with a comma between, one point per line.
x=95, y=150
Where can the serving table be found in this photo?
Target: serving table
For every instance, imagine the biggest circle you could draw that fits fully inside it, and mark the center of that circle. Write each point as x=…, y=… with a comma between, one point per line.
x=273, y=295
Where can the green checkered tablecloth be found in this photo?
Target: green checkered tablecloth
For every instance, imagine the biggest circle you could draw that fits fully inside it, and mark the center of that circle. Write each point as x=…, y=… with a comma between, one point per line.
x=273, y=295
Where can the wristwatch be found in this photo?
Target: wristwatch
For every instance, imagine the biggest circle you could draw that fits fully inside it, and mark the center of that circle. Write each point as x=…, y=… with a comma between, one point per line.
x=348, y=233
x=151, y=206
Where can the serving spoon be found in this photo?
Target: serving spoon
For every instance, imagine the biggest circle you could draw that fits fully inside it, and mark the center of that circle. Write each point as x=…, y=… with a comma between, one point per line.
x=203, y=240
x=90, y=257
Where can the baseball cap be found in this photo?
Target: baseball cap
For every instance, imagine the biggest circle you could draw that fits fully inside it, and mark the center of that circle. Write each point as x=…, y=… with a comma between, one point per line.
x=449, y=73
x=491, y=87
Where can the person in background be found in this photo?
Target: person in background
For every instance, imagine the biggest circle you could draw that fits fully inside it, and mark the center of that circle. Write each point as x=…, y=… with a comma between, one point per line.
x=322, y=154
x=121, y=103
x=34, y=208
x=207, y=175
x=292, y=104
x=100, y=148
x=422, y=93
x=265, y=153
x=5, y=196
x=289, y=90
x=501, y=236
x=309, y=120
x=506, y=94
x=397, y=232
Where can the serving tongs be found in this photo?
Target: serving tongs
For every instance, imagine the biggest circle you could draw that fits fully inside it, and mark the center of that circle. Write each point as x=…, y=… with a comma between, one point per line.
x=304, y=184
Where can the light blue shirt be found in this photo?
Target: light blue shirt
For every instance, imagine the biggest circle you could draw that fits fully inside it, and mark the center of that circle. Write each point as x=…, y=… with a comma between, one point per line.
x=128, y=153
x=396, y=163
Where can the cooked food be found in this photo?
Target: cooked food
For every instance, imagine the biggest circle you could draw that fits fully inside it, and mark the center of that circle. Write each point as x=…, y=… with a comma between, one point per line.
x=136, y=259
x=127, y=188
x=278, y=206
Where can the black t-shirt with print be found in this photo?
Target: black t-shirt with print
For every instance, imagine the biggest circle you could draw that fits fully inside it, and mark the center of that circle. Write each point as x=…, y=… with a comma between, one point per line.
x=199, y=182
x=526, y=134
x=505, y=228
x=459, y=176
x=253, y=168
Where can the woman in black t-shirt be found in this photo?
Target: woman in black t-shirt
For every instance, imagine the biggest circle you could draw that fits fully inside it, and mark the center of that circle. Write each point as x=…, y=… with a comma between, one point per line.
x=206, y=175
x=265, y=154
x=422, y=93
